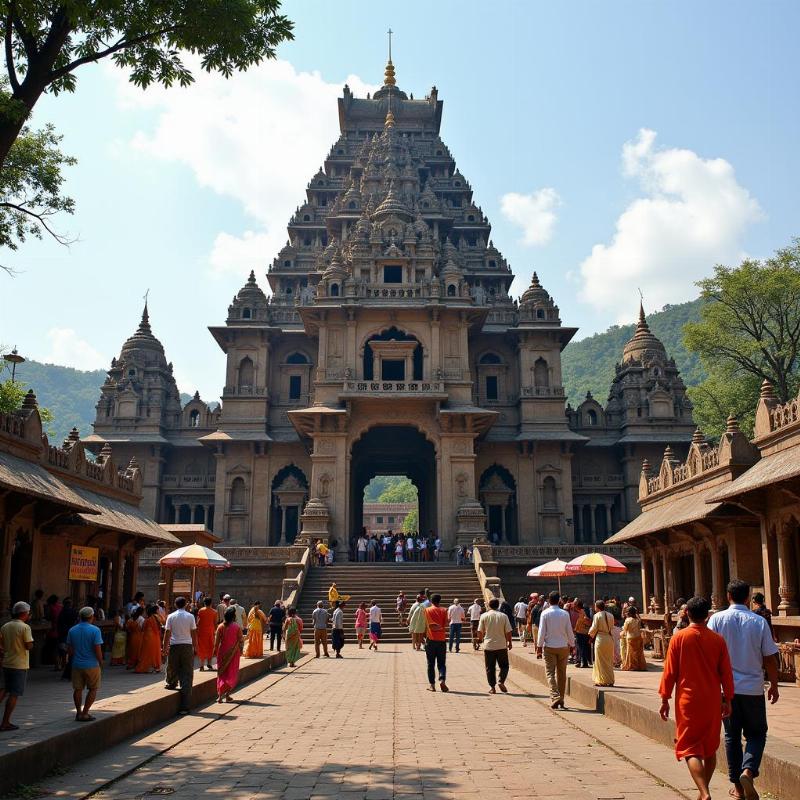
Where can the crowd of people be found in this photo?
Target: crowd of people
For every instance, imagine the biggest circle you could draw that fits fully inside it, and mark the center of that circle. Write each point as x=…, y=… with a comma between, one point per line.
x=144, y=638
x=400, y=547
x=721, y=655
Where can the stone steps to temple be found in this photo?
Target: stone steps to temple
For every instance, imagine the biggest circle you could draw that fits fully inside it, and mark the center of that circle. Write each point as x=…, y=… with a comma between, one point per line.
x=382, y=582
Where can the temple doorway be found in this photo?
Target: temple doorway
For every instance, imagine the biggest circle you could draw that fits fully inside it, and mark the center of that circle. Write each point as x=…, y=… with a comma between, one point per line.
x=393, y=450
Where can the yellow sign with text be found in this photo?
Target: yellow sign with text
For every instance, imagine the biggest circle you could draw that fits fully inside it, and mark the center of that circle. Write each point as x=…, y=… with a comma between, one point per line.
x=83, y=563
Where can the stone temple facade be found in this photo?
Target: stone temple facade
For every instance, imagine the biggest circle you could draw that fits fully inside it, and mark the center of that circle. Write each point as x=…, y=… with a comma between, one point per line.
x=388, y=343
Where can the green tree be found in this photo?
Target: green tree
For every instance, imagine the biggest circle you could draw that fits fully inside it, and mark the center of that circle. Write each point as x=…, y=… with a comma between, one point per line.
x=30, y=188
x=749, y=332
x=402, y=491
x=45, y=43
x=411, y=522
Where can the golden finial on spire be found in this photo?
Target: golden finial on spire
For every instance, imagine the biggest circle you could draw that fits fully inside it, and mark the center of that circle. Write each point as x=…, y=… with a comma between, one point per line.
x=389, y=121
x=388, y=75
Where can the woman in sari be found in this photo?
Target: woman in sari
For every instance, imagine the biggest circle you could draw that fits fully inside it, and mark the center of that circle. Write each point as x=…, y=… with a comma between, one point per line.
x=292, y=628
x=134, y=643
x=120, y=641
x=256, y=620
x=150, y=649
x=228, y=649
x=206, y=628
x=601, y=632
x=361, y=624
x=634, y=650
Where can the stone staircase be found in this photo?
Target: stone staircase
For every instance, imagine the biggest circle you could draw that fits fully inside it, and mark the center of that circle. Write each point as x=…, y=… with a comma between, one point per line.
x=382, y=582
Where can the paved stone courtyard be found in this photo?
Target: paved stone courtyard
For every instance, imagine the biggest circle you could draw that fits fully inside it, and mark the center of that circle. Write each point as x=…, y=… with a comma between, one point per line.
x=365, y=727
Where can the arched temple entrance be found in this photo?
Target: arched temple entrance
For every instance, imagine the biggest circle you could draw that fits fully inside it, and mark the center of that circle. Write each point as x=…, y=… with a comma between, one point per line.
x=393, y=450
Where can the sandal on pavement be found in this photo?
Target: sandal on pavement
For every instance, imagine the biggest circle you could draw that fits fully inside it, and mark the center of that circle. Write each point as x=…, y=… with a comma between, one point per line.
x=750, y=792
x=733, y=793
x=502, y=688
x=443, y=686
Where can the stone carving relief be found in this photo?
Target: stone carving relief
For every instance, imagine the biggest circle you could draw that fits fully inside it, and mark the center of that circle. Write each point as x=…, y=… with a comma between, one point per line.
x=325, y=482
x=461, y=482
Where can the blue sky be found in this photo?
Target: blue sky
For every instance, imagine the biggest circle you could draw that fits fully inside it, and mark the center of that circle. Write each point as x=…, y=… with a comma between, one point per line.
x=613, y=145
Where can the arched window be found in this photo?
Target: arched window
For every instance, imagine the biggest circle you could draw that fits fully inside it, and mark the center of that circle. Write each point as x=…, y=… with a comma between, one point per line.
x=297, y=358
x=539, y=313
x=246, y=313
x=131, y=373
x=237, y=495
x=334, y=290
x=592, y=416
x=194, y=419
x=541, y=374
x=351, y=204
x=549, y=492
x=490, y=358
x=246, y=373
x=451, y=290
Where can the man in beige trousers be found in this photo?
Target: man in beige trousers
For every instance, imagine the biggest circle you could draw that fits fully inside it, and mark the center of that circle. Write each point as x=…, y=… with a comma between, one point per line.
x=555, y=639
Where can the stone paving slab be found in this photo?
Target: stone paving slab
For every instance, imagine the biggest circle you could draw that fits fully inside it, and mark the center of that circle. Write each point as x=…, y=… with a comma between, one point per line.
x=633, y=702
x=364, y=727
x=49, y=737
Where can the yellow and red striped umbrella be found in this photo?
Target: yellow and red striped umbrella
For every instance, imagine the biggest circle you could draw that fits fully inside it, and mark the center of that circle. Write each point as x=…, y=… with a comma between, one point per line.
x=595, y=562
x=552, y=569
x=194, y=555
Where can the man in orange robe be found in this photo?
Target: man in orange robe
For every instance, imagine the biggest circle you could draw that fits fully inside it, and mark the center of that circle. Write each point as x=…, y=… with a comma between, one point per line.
x=206, y=627
x=697, y=667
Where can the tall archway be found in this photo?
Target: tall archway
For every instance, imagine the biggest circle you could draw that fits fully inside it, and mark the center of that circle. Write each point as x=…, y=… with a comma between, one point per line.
x=498, y=494
x=393, y=450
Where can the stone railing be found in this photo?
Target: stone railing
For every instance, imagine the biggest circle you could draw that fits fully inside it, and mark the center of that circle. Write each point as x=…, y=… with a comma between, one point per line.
x=785, y=414
x=296, y=572
x=486, y=570
x=505, y=554
x=244, y=391
x=589, y=481
x=236, y=554
x=189, y=481
x=393, y=387
x=542, y=391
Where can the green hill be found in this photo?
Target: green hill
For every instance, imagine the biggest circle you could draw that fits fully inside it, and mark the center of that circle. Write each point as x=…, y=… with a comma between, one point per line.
x=588, y=365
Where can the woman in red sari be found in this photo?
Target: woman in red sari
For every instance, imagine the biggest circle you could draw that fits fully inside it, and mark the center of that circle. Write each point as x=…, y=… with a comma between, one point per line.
x=228, y=650
x=697, y=667
x=150, y=650
x=134, y=643
x=206, y=626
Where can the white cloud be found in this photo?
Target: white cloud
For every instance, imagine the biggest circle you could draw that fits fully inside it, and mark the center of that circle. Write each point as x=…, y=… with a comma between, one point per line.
x=257, y=138
x=535, y=213
x=692, y=216
x=69, y=350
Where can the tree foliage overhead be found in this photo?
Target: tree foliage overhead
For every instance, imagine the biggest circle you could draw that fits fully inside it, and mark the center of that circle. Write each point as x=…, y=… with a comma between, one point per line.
x=45, y=43
x=749, y=332
x=390, y=489
x=30, y=187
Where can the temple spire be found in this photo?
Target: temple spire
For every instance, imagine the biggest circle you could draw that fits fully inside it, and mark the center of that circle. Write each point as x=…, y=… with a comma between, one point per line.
x=144, y=325
x=388, y=75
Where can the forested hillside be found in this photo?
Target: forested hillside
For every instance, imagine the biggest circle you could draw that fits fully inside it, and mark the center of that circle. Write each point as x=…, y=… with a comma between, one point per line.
x=588, y=365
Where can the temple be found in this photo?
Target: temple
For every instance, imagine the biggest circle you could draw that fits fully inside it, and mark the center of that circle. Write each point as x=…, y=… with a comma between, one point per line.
x=386, y=341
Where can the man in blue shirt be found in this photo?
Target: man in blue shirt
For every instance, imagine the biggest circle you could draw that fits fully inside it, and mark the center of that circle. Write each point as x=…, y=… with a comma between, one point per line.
x=752, y=651
x=85, y=648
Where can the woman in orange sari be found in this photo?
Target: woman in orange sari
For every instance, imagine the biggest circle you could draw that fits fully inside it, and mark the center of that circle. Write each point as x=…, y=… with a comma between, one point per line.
x=150, y=651
x=206, y=627
x=134, y=643
x=256, y=620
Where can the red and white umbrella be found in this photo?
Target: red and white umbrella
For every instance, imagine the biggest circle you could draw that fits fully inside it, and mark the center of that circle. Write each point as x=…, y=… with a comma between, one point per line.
x=194, y=556
x=592, y=563
x=552, y=569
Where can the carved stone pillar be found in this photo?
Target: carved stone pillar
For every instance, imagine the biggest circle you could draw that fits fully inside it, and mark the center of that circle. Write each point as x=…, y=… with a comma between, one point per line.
x=717, y=589
x=697, y=563
x=666, y=562
x=658, y=588
x=645, y=580
x=609, y=530
x=787, y=590
x=593, y=522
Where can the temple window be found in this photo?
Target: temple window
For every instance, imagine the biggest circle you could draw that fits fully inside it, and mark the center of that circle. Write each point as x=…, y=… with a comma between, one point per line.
x=295, y=387
x=539, y=313
x=306, y=218
x=592, y=416
x=491, y=387
x=451, y=290
x=492, y=263
x=246, y=373
x=471, y=218
x=392, y=273
x=287, y=263
x=297, y=358
x=334, y=290
x=245, y=313
x=541, y=374
x=237, y=495
x=549, y=492
x=490, y=358
x=194, y=419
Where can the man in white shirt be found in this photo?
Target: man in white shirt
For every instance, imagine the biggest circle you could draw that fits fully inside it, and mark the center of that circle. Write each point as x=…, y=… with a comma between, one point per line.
x=180, y=646
x=361, y=548
x=319, y=621
x=241, y=615
x=494, y=630
x=337, y=628
x=752, y=651
x=375, y=621
x=555, y=638
x=222, y=607
x=437, y=548
x=455, y=616
x=410, y=548
x=520, y=613
x=475, y=611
